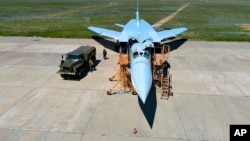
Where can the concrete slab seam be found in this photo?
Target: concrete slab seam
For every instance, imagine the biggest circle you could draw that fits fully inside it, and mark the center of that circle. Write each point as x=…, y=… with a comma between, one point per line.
x=91, y=117
x=181, y=120
x=32, y=90
x=20, y=129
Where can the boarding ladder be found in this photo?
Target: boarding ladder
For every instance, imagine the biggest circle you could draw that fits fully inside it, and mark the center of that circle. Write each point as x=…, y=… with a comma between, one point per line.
x=166, y=85
x=161, y=70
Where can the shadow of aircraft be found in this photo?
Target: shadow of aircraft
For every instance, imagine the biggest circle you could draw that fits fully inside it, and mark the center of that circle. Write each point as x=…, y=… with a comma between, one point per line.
x=175, y=43
x=149, y=108
x=106, y=43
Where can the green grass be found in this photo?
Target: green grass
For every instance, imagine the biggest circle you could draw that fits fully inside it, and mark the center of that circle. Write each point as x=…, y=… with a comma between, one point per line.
x=212, y=20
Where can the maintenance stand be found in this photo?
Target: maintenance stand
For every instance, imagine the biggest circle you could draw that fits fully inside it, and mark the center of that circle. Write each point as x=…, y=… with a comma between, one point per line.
x=161, y=73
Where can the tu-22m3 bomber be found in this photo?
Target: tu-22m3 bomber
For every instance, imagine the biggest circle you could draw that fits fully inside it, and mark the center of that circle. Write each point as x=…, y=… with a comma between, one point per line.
x=144, y=38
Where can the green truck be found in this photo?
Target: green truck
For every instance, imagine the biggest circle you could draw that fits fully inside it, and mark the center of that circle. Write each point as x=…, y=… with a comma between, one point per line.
x=78, y=62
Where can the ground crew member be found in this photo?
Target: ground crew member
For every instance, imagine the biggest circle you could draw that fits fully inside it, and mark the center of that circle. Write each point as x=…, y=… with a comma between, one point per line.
x=165, y=67
x=104, y=54
x=91, y=64
x=62, y=61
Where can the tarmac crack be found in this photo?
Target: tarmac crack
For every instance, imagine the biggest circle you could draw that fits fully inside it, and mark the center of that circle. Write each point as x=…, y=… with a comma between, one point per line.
x=91, y=117
x=35, y=87
x=36, y=130
x=137, y=136
x=185, y=132
x=18, y=101
x=210, y=94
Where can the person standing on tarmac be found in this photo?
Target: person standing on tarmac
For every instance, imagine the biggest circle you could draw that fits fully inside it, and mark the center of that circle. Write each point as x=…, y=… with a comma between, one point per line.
x=62, y=61
x=104, y=54
x=91, y=64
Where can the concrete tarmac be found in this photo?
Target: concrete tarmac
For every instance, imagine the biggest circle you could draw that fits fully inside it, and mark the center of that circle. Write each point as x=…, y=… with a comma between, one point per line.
x=211, y=87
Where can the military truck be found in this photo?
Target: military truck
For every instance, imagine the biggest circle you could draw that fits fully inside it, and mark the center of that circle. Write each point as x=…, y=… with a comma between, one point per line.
x=77, y=62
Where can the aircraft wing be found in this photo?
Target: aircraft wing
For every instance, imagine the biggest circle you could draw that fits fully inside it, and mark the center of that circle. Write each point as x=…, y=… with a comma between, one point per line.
x=171, y=33
x=105, y=32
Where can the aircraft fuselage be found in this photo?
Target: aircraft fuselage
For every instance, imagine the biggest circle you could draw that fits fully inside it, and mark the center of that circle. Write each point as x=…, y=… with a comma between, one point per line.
x=141, y=72
x=142, y=31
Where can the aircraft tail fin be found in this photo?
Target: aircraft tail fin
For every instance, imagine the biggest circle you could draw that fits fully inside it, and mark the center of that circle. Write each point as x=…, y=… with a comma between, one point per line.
x=137, y=18
x=155, y=25
x=137, y=14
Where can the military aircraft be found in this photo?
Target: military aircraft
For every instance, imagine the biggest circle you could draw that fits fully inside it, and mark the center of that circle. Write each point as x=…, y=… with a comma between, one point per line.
x=143, y=36
x=141, y=70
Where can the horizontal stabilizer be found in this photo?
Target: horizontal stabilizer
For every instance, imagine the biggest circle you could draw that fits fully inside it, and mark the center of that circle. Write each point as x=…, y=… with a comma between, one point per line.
x=120, y=25
x=155, y=25
x=105, y=32
x=171, y=33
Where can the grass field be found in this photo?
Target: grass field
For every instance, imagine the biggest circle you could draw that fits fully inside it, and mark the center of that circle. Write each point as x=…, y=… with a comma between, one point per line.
x=206, y=20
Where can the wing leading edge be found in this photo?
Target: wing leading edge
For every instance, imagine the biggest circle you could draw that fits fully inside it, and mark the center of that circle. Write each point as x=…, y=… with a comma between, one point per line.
x=105, y=32
x=116, y=35
x=171, y=33
x=136, y=28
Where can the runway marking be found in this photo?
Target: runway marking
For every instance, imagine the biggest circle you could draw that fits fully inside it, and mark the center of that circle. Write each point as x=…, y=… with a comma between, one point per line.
x=168, y=18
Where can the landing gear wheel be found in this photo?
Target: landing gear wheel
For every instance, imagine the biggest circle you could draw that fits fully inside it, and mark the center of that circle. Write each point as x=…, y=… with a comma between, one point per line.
x=134, y=93
x=109, y=93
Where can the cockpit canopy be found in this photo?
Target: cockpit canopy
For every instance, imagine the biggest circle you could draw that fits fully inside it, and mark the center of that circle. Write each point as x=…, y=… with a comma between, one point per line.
x=145, y=54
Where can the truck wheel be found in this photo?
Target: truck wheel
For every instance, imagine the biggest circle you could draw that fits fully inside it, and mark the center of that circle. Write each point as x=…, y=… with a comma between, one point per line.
x=64, y=77
x=79, y=73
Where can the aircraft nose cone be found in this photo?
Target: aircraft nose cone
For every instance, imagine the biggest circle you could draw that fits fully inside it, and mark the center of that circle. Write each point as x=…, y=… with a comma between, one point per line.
x=143, y=91
x=142, y=80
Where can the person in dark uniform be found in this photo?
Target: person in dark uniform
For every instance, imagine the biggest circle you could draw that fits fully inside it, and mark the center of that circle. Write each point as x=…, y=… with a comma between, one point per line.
x=165, y=67
x=62, y=61
x=104, y=54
